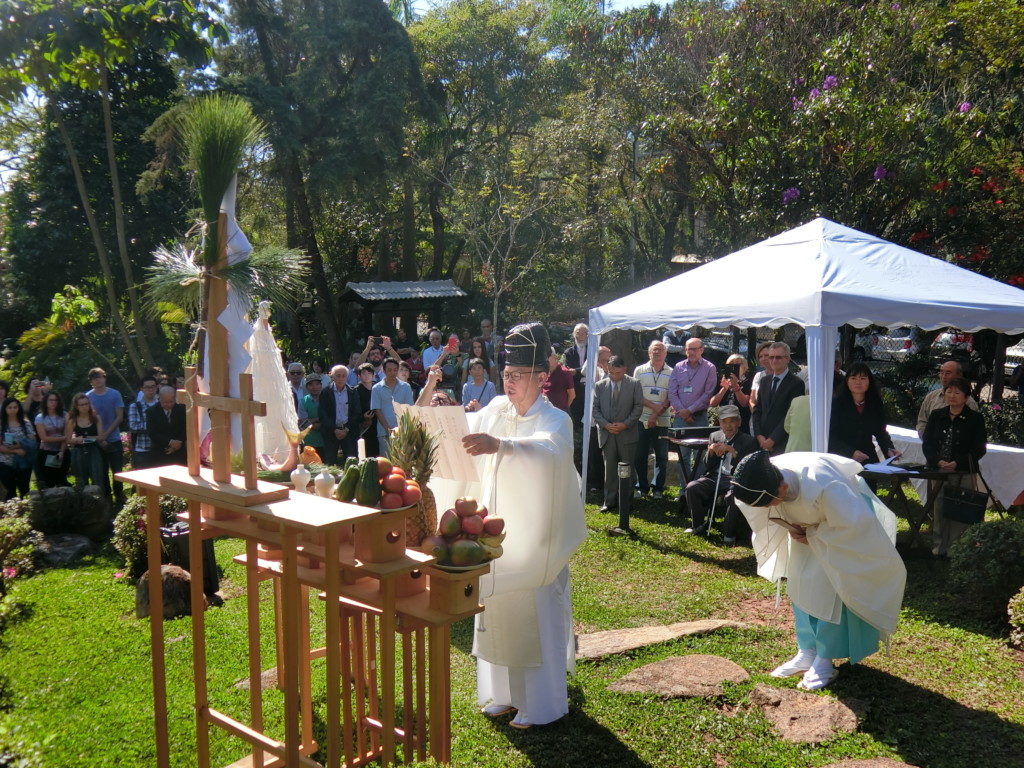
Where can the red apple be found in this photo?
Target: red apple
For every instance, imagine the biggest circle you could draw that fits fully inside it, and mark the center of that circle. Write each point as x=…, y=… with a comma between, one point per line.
x=466, y=505
x=391, y=501
x=494, y=525
x=473, y=525
x=412, y=494
x=482, y=511
x=384, y=467
x=393, y=483
x=396, y=470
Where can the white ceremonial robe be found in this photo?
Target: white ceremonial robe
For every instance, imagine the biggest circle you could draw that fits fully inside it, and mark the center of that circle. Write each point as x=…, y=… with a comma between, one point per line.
x=524, y=640
x=850, y=557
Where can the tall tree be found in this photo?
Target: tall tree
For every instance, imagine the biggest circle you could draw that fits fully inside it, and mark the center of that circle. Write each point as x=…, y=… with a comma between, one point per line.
x=48, y=42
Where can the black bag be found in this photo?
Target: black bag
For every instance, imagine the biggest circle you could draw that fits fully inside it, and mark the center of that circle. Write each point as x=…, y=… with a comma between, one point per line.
x=964, y=505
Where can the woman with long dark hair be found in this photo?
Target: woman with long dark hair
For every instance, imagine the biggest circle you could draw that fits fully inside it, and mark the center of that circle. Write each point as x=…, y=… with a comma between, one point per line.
x=81, y=433
x=858, y=415
x=54, y=458
x=17, y=449
x=478, y=351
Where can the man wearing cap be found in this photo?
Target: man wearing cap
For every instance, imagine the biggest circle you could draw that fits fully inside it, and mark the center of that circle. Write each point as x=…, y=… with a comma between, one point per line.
x=726, y=448
x=816, y=523
x=524, y=638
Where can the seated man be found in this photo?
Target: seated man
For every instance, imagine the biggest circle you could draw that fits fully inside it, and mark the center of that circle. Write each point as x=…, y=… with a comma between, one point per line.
x=727, y=446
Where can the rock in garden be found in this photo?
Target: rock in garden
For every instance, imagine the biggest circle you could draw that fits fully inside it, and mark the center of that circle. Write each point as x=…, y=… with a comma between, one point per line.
x=54, y=510
x=870, y=762
x=64, y=548
x=95, y=516
x=268, y=680
x=693, y=675
x=803, y=717
x=177, y=595
x=596, y=645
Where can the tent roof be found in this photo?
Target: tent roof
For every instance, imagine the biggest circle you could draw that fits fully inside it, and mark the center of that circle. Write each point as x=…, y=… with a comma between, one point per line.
x=821, y=273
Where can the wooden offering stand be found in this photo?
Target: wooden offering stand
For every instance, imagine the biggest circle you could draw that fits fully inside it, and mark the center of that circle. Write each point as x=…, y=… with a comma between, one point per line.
x=372, y=587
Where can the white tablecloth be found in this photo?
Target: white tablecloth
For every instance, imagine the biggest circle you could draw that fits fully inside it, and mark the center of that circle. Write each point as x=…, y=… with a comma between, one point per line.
x=1002, y=466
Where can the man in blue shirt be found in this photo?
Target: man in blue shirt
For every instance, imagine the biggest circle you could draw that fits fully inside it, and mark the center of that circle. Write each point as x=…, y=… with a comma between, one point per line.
x=109, y=406
x=383, y=397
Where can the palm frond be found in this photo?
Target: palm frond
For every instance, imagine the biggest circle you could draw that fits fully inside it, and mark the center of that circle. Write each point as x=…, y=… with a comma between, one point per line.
x=215, y=133
x=171, y=313
x=175, y=278
x=41, y=335
x=276, y=274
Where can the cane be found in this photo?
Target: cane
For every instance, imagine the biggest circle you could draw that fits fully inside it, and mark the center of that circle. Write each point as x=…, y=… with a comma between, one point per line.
x=714, y=499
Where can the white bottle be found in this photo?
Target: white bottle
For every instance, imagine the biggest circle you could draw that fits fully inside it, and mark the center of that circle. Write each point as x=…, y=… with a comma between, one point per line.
x=300, y=478
x=324, y=484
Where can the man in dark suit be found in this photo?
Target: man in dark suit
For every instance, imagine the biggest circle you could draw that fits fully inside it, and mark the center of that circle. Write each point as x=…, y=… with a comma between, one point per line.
x=777, y=389
x=335, y=414
x=618, y=403
x=725, y=449
x=165, y=423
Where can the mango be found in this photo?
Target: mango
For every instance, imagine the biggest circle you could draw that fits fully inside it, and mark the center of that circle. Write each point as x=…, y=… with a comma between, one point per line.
x=492, y=541
x=436, y=547
x=449, y=524
x=466, y=552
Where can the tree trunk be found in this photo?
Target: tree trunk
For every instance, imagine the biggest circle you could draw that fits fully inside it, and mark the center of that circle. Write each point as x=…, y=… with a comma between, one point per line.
x=97, y=239
x=409, y=270
x=119, y=228
x=437, y=224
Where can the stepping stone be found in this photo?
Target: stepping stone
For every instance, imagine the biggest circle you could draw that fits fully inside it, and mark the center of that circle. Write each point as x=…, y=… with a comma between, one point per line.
x=64, y=548
x=696, y=674
x=804, y=717
x=268, y=679
x=598, y=644
x=870, y=762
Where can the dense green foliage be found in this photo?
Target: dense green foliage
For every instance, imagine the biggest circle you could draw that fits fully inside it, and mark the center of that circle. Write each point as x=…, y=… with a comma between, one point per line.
x=987, y=563
x=544, y=155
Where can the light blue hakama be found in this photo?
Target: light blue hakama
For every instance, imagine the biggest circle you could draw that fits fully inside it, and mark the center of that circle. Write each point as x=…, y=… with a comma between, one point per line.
x=851, y=638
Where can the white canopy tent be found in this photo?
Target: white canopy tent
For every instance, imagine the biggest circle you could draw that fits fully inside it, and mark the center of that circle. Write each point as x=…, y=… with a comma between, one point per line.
x=820, y=275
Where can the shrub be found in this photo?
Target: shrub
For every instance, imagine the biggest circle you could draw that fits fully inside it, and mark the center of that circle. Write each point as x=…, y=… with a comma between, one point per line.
x=18, y=545
x=130, y=529
x=1015, y=611
x=1004, y=422
x=987, y=563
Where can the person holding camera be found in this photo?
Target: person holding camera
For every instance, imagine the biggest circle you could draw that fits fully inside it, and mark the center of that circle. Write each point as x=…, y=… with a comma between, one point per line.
x=734, y=389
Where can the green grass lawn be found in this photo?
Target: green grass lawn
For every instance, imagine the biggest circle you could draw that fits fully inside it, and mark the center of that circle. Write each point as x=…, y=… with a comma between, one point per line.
x=948, y=695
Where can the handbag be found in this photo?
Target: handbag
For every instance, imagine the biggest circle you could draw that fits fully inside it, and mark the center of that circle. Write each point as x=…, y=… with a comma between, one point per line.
x=965, y=505
x=54, y=461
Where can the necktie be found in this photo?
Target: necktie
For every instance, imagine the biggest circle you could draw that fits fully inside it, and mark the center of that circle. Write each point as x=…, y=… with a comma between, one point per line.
x=615, y=392
x=775, y=386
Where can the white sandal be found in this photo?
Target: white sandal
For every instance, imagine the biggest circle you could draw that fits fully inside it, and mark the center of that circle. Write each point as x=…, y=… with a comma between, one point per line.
x=795, y=666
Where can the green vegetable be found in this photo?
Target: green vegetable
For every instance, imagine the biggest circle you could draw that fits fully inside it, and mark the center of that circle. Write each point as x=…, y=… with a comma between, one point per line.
x=368, y=487
x=346, y=488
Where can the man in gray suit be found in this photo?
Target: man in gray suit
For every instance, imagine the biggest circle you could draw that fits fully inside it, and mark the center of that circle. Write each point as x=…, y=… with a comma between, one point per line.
x=618, y=403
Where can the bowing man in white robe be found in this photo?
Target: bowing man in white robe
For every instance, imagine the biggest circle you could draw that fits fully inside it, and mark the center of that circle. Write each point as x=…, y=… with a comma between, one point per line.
x=816, y=523
x=524, y=640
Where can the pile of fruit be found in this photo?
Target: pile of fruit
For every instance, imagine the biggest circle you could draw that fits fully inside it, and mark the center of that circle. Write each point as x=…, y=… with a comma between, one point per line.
x=466, y=536
x=376, y=483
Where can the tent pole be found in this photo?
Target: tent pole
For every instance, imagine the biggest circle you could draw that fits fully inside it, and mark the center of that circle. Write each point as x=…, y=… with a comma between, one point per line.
x=821, y=357
x=588, y=404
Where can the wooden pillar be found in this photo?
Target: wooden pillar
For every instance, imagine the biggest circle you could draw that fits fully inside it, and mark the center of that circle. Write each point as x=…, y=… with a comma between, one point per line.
x=202, y=702
x=156, y=628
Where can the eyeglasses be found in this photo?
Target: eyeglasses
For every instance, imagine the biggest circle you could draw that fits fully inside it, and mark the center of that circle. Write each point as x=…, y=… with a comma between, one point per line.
x=778, y=357
x=516, y=375
x=294, y=373
x=695, y=349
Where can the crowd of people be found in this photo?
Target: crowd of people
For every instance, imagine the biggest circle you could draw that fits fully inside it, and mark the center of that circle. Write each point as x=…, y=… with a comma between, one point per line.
x=88, y=438
x=765, y=409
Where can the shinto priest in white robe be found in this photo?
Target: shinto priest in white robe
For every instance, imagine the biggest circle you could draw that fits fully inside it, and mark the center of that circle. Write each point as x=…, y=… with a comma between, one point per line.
x=524, y=640
x=850, y=557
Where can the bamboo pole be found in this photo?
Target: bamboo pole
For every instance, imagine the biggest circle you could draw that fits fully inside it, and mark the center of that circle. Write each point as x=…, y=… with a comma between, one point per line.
x=332, y=619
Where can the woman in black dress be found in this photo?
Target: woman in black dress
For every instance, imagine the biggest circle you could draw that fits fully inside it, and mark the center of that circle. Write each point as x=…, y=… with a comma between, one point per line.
x=858, y=415
x=954, y=441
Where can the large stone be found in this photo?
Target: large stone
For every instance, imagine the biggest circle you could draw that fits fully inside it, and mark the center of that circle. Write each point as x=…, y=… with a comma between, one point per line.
x=95, y=516
x=67, y=510
x=803, y=717
x=599, y=644
x=870, y=762
x=64, y=548
x=177, y=593
x=693, y=675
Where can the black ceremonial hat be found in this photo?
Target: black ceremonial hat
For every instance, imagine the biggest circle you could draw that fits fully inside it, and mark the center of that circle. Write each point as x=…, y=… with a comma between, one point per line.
x=527, y=345
x=755, y=480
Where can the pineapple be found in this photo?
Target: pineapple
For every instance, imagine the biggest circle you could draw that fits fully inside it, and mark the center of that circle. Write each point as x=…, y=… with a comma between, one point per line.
x=415, y=450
